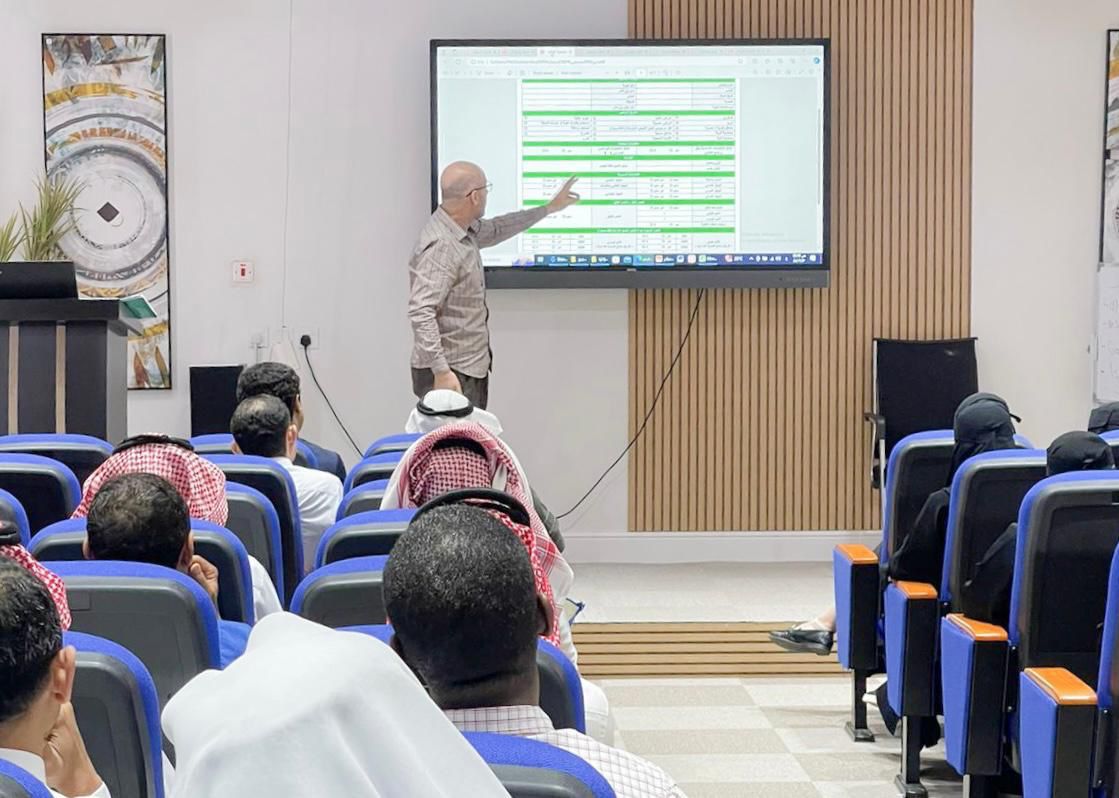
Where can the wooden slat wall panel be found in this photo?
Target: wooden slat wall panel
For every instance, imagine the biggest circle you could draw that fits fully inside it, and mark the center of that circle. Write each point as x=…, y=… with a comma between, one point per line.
x=761, y=426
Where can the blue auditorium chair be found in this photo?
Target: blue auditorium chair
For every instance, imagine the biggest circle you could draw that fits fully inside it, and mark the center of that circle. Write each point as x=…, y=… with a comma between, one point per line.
x=561, y=690
x=62, y=541
x=1068, y=729
x=362, y=535
x=532, y=769
x=372, y=469
x=117, y=710
x=918, y=465
x=15, y=782
x=222, y=443
x=82, y=454
x=392, y=443
x=346, y=593
x=273, y=480
x=11, y=510
x=254, y=521
x=46, y=488
x=1068, y=529
x=163, y=617
x=363, y=499
x=987, y=492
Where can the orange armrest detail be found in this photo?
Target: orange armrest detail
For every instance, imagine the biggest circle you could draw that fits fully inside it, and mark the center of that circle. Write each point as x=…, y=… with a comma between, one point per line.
x=916, y=590
x=858, y=554
x=1062, y=686
x=983, y=632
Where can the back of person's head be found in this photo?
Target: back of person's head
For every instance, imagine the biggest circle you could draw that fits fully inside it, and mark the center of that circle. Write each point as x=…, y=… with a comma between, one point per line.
x=261, y=425
x=1078, y=451
x=30, y=639
x=270, y=379
x=1104, y=418
x=460, y=594
x=982, y=423
x=138, y=518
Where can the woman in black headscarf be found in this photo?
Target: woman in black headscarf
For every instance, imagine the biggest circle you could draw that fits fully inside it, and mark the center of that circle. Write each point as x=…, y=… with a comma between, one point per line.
x=1104, y=418
x=986, y=596
x=983, y=423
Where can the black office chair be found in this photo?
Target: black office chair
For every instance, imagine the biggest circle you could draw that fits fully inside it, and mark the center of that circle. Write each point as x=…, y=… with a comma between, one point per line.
x=917, y=387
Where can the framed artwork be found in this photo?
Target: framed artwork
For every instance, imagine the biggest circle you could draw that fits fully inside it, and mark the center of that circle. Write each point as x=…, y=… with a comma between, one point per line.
x=1109, y=246
x=105, y=126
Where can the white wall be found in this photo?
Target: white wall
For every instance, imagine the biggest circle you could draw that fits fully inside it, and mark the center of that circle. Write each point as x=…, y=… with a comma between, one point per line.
x=328, y=208
x=1037, y=144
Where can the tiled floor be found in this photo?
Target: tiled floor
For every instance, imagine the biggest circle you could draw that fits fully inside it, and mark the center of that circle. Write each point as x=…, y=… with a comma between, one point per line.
x=732, y=738
x=724, y=738
x=702, y=592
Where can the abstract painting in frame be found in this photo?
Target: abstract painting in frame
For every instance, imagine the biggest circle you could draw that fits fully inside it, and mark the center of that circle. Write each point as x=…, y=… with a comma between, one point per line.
x=105, y=126
x=1110, y=235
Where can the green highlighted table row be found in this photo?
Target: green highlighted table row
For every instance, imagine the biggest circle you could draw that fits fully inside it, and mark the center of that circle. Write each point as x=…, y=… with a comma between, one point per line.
x=623, y=202
x=703, y=112
x=627, y=143
x=695, y=173
x=548, y=231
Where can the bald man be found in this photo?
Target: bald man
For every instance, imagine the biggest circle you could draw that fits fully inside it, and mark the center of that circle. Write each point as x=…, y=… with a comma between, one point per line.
x=447, y=307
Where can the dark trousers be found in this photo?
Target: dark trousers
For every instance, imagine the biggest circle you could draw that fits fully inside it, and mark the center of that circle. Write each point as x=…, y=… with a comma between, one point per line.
x=475, y=389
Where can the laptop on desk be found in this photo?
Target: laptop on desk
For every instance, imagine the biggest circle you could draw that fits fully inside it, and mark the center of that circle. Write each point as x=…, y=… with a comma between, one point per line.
x=46, y=280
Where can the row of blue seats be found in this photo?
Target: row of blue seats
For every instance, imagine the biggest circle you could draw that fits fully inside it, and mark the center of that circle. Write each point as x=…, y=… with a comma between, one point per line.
x=42, y=476
x=1068, y=531
x=117, y=705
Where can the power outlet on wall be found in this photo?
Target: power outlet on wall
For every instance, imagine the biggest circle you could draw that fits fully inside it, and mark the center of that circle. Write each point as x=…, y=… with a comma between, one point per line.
x=309, y=332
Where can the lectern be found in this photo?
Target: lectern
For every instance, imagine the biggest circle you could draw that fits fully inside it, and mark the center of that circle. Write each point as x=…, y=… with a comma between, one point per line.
x=63, y=363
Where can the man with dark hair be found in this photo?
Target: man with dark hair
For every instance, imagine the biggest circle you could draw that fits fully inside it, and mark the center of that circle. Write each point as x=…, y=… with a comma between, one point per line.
x=466, y=616
x=37, y=728
x=142, y=518
x=262, y=426
x=282, y=381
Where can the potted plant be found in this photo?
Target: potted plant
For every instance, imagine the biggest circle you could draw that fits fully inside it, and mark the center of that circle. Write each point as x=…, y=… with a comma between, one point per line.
x=36, y=233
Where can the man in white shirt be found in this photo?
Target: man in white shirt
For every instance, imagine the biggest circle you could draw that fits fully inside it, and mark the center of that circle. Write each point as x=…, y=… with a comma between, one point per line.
x=37, y=728
x=262, y=425
x=466, y=617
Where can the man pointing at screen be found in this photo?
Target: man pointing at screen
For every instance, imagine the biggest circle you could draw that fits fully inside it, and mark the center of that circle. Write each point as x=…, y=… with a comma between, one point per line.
x=447, y=306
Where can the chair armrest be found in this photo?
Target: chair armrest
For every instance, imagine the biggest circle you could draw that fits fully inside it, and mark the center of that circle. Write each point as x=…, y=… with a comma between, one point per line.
x=855, y=575
x=878, y=422
x=877, y=464
x=912, y=611
x=973, y=664
x=1057, y=720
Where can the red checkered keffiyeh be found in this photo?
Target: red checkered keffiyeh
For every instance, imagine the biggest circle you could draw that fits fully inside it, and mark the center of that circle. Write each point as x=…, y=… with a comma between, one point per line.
x=51, y=581
x=432, y=472
x=198, y=481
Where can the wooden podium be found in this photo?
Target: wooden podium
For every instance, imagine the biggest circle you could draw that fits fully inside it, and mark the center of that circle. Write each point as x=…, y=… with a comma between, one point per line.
x=64, y=364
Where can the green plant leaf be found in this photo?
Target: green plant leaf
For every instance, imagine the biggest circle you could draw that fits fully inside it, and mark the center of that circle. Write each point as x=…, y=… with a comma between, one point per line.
x=50, y=219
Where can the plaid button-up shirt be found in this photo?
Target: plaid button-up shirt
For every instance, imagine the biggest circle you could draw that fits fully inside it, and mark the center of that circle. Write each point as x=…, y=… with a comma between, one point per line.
x=447, y=306
x=629, y=775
